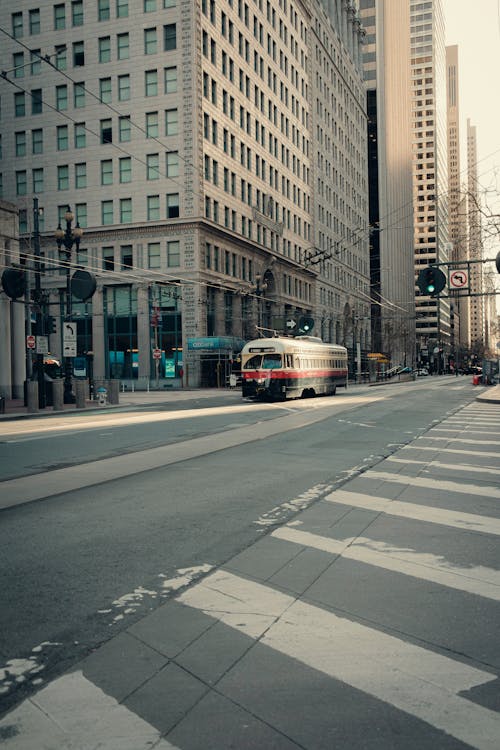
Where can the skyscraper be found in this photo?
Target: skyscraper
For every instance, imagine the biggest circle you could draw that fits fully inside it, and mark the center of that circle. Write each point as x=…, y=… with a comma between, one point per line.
x=430, y=174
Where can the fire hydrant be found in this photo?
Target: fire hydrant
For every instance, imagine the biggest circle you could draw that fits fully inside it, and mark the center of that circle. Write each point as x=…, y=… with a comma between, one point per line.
x=101, y=396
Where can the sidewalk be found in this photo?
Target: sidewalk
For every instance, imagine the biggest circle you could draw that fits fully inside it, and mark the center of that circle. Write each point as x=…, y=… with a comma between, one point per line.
x=14, y=408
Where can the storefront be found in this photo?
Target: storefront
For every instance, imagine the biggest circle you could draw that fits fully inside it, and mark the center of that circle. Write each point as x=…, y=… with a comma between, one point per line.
x=219, y=358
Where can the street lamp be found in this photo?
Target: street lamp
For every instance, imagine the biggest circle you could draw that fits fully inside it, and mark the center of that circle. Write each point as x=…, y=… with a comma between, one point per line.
x=66, y=239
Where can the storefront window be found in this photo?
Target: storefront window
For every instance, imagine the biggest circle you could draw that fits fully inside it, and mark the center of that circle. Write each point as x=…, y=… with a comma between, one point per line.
x=120, y=305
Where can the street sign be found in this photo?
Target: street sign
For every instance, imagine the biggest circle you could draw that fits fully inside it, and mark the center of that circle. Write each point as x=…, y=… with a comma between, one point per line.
x=291, y=324
x=42, y=344
x=156, y=353
x=30, y=342
x=69, y=338
x=458, y=278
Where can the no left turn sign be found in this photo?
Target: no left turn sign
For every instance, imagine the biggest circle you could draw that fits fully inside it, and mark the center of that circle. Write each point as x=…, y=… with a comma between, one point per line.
x=459, y=279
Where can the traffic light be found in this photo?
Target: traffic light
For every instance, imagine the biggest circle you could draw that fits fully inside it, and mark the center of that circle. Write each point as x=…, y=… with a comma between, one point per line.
x=431, y=281
x=14, y=282
x=497, y=262
x=50, y=324
x=306, y=324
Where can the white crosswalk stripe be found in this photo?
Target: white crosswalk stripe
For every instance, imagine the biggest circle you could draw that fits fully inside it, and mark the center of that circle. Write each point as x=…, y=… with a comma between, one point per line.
x=427, y=513
x=435, y=484
x=440, y=465
x=420, y=682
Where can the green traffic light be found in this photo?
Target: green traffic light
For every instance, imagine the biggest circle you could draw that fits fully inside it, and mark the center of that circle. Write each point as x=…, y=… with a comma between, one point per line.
x=431, y=288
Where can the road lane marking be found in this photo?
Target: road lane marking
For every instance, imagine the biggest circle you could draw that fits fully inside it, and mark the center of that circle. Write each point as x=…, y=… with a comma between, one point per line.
x=478, y=580
x=72, y=712
x=422, y=683
x=434, y=484
x=426, y=513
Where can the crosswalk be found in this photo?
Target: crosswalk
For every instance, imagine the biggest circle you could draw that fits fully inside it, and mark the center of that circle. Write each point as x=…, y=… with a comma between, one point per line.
x=372, y=619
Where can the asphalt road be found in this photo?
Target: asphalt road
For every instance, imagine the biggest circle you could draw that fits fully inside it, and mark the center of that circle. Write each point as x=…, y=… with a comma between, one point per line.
x=78, y=567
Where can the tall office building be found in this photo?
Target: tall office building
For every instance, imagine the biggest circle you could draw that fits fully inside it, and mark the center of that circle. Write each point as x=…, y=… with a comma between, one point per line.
x=477, y=328
x=387, y=75
x=430, y=178
x=186, y=138
x=457, y=200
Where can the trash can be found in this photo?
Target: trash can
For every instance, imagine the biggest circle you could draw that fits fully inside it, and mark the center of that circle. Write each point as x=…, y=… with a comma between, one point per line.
x=476, y=379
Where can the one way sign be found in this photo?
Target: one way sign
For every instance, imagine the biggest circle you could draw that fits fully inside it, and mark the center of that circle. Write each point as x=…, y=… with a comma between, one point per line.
x=291, y=324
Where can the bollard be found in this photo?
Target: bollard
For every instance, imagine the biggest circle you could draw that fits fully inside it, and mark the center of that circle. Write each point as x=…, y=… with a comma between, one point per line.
x=32, y=394
x=113, y=388
x=58, y=394
x=80, y=391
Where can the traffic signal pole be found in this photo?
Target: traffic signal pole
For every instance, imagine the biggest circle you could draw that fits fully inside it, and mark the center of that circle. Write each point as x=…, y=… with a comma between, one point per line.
x=40, y=374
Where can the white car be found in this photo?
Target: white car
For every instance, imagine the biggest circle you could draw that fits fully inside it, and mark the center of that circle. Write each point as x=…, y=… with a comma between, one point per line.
x=422, y=371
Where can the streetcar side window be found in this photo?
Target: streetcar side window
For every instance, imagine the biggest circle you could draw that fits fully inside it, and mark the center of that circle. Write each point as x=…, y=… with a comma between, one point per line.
x=253, y=363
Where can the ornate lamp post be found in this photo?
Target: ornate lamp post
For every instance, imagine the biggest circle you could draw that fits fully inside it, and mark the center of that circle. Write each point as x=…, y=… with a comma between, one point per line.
x=67, y=239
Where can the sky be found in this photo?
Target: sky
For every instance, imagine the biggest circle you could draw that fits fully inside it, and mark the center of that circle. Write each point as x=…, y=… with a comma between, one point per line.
x=474, y=25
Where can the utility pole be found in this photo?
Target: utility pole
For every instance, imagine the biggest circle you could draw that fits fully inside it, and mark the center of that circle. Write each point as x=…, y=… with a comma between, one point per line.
x=38, y=300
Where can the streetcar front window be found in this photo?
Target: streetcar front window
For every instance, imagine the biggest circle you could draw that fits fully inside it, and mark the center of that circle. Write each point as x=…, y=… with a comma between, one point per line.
x=254, y=363
x=271, y=361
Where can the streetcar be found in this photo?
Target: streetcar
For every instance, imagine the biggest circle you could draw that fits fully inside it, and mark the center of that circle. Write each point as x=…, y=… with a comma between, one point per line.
x=299, y=367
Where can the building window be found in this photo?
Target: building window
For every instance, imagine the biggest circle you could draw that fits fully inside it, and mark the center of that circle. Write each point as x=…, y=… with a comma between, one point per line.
x=36, y=63
x=125, y=166
x=153, y=208
x=61, y=97
x=63, y=177
x=173, y=254
x=122, y=8
x=106, y=130
x=125, y=129
x=79, y=95
x=126, y=257
x=150, y=41
x=21, y=183
x=80, y=135
x=34, y=21
x=108, y=258
x=103, y=10
x=153, y=166
x=171, y=122
x=152, y=125
x=77, y=12
x=104, y=47
x=62, y=138
x=123, y=88
x=170, y=80
x=38, y=180
x=172, y=164
x=105, y=94
x=169, y=37
x=107, y=172
x=78, y=54
x=107, y=212
x=125, y=210
x=19, y=104
x=151, y=83
x=61, y=61
x=37, y=141
x=172, y=205
x=149, y=6
x=154, y=255
x=18, y=64
x=20, y=140
x=123, y=46
x=36, y=101
x=81, y=175
x=81, y=214
x=17, y=25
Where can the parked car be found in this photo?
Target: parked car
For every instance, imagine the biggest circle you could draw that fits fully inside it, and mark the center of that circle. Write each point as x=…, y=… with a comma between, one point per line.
x=422, y=371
